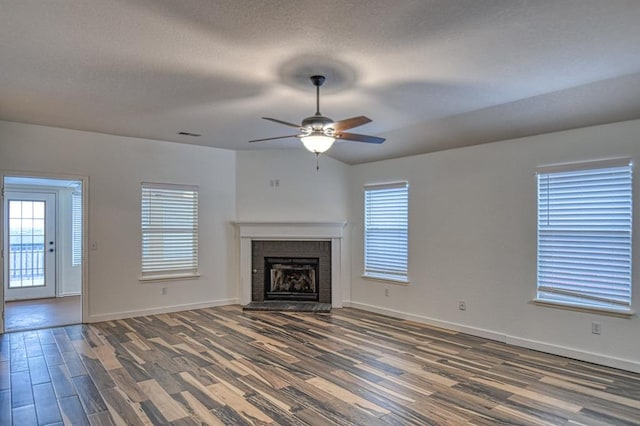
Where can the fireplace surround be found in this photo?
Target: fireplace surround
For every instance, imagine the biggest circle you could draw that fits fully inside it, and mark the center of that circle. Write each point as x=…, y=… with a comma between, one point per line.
x=327, y=234
x=291, y=257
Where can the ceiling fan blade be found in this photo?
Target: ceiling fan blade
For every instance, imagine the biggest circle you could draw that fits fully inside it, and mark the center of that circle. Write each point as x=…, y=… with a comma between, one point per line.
x=359, y=138
x=275, y=120
x=350, y=123
x=277, y=137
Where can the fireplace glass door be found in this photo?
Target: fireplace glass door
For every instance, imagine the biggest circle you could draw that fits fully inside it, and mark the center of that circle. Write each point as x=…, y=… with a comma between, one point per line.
x=291, y=278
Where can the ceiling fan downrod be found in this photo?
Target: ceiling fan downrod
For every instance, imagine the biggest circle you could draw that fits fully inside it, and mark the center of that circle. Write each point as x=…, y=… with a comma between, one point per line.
x=317, y=80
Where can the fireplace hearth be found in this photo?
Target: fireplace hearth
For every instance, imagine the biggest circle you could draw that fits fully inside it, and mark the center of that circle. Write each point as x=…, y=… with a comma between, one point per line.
x=291, y=278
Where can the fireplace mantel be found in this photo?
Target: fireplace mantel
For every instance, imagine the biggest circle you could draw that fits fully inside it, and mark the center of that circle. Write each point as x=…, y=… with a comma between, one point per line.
x=296, y=231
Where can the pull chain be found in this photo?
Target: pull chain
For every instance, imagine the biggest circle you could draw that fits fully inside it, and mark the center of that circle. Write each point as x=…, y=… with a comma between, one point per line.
x=317, y=162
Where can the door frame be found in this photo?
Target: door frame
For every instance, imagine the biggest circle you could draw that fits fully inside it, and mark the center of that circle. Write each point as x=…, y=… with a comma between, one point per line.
x=85, y=233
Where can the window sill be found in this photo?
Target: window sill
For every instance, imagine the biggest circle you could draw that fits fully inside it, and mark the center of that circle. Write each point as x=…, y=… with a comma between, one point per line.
x=168, y=277
x=388, y=280
x=580, y=308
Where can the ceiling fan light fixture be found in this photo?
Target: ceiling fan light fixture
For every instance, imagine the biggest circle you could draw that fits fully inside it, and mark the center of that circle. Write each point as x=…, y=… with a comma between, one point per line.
x=317, y=143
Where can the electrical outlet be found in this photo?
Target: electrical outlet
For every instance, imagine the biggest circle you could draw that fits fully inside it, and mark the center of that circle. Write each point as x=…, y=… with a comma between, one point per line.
x=164, y=291
x=462, y=305
x=386, y=292
x=596, y=328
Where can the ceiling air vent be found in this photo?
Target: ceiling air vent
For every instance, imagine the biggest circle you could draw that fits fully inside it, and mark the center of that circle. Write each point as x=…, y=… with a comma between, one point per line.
x=195, y=135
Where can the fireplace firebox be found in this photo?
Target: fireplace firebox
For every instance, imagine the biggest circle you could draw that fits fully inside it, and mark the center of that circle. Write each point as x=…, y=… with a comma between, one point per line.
x=291, y=278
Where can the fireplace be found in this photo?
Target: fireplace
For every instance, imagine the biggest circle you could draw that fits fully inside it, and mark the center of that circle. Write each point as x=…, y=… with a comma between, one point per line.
x=291, y=278
x=291, y=240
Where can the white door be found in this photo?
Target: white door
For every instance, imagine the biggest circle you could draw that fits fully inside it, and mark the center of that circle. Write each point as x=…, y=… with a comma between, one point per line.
x=29, y=245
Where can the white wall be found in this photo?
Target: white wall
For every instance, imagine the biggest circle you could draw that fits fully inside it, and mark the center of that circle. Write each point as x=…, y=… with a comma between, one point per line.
x=472, y=230
x=116, y=166
x=303, y=194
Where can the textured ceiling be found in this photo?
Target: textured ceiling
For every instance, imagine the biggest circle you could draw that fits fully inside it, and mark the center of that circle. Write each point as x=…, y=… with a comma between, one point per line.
x=431, y=75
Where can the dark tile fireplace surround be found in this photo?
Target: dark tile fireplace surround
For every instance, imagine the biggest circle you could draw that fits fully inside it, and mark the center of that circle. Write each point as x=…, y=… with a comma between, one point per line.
x=305, y=264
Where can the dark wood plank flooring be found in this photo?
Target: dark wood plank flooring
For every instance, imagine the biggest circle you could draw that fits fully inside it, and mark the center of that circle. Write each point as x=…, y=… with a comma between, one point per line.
x=222, y=366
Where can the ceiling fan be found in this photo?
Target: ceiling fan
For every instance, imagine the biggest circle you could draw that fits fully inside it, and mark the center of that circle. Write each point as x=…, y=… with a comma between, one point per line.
x=318, y=132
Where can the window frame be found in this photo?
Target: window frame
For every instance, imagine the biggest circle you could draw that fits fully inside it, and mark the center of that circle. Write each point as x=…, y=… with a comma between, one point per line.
x=161, y=230
x=591, y=235
x=392, y=275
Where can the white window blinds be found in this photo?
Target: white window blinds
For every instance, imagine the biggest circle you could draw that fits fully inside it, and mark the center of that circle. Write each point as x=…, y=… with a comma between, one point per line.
x=76, y=229
x=386, y=223
x=584, y=234
x=169, y=230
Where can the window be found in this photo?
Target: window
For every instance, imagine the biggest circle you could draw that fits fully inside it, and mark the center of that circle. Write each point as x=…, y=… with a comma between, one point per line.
x=76, y=229
x=386, y=223
x=169, y=230
x=584, y=235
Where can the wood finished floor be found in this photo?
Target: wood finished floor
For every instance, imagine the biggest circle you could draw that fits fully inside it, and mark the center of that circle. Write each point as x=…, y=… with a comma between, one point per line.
x=41, y=313
x=222, y=366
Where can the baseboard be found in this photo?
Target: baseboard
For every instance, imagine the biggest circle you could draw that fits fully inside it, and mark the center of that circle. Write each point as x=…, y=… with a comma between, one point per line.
x=480, y=332
x=564, y=351
x=162, y=310
x=609, y=361
x=75, y=293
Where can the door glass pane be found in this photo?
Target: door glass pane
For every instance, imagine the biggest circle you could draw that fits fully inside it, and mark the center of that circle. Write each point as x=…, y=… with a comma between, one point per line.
x=27, y=209
x=38, y=210
x=38, y=227
x=26, y=248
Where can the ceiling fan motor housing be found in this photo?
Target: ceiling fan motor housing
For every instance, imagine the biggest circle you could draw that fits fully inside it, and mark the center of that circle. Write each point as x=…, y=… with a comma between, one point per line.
x=317, y=123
